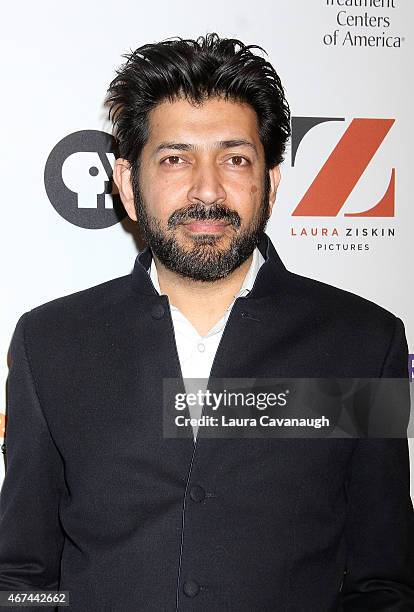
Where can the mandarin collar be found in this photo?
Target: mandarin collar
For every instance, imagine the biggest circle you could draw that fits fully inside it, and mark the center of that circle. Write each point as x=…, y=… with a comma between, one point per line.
x=270, y=274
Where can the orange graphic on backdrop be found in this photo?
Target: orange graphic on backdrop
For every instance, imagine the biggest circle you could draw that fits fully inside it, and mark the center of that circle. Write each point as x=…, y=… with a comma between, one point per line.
x=2, y=424
x=343, y=169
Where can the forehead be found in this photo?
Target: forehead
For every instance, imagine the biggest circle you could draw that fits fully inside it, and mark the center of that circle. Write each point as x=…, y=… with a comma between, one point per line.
x=216, y=119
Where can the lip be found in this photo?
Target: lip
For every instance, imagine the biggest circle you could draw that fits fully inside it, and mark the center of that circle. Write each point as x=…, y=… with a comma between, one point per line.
x=206, y=227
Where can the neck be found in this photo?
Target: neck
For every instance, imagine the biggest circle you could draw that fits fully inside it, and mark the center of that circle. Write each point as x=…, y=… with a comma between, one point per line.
x=202, y=303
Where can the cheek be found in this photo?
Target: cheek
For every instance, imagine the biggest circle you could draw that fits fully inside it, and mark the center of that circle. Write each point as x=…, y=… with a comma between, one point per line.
x=162, y=200
x=253, y=189
x=168, y=190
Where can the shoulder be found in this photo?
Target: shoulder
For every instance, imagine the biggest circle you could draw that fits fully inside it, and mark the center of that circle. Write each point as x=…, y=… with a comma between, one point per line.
x=76, y=312
x=350, y=328
x=344, y=306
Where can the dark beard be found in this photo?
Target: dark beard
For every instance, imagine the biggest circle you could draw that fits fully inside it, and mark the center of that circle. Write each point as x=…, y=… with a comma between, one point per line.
x=202, y=262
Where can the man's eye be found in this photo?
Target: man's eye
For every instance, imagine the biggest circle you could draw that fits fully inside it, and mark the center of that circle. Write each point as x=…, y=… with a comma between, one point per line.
x=238, y=160
x=172, y=160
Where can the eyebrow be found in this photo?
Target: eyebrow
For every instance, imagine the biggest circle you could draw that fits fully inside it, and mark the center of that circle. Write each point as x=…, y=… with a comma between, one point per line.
x=221, y=144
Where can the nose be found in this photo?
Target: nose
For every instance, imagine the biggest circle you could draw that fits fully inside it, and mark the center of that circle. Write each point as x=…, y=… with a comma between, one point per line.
x=206, y=185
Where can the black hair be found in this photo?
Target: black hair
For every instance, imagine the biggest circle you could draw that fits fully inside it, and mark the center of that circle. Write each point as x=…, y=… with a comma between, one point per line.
x=196, y=70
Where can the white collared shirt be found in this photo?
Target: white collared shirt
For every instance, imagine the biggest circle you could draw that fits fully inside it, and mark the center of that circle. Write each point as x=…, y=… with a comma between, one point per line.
x=196, y=353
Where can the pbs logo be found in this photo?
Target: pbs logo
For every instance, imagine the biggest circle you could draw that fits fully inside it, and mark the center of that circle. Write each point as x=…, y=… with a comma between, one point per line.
x=78, y=180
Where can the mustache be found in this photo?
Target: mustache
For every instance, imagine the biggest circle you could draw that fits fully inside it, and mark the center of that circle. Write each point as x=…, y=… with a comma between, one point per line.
x=200, y=212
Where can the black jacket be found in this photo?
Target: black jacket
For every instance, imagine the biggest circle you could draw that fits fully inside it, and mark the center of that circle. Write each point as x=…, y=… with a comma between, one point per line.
x=97, y=502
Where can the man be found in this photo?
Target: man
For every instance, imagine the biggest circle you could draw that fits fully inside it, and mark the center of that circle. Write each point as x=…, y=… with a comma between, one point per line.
x=96, y=500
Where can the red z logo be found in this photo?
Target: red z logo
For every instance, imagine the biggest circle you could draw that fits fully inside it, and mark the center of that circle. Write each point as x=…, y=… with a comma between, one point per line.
x=343, y=168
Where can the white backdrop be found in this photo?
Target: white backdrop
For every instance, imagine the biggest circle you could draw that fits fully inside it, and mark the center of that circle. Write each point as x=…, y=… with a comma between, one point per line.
x=336, y=60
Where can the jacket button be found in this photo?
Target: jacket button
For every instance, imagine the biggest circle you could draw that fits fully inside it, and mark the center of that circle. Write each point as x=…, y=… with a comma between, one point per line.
x=197, y=493
x=191, y=588
x=158, y=311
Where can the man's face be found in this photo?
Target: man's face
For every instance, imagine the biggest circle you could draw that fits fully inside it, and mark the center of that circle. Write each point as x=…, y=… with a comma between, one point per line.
x=202, y=195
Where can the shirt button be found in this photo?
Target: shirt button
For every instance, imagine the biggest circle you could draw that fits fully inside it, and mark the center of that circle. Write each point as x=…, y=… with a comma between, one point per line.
x=158, y=311
x=201, y=347
x=197, y=493
x=191, y=588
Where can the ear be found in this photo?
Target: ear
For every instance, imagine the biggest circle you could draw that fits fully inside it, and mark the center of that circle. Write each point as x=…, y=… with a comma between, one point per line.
x=122, y=179
x=274, y=174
